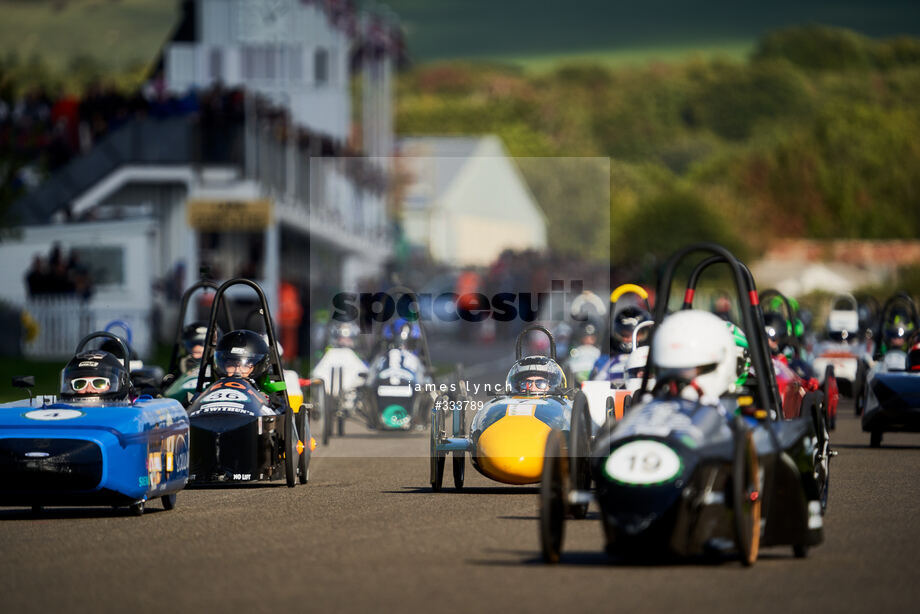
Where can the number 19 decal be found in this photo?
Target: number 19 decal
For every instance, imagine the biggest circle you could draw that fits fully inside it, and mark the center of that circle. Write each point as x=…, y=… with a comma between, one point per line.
x=643, y=462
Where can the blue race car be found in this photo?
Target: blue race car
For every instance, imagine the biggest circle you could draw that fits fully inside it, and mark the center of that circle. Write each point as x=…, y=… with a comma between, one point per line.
x=102, y=448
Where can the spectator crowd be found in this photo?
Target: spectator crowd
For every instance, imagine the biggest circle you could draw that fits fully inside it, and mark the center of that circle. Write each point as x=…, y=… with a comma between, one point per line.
x=59, y=275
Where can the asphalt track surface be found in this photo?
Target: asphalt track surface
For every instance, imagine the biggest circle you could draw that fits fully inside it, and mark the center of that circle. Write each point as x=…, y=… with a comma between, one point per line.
x=366, y=534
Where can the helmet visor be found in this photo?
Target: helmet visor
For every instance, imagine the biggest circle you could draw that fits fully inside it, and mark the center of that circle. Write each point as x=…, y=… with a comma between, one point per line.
x=236, y=364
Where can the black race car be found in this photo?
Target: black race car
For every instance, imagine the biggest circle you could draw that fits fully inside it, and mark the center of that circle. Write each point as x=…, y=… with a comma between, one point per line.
x=242, y=430
x=691, y=477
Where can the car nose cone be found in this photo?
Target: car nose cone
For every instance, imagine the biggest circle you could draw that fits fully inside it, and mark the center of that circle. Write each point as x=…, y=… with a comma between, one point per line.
x=511, y=450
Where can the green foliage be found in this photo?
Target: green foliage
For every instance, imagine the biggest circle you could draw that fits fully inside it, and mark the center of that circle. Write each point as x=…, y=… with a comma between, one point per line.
x=733, y=99
x=825, y=48
x=816, y=47
x=675, y=218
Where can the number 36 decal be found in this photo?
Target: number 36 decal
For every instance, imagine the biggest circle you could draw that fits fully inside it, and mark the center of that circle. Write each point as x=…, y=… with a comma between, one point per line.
x=643, y=462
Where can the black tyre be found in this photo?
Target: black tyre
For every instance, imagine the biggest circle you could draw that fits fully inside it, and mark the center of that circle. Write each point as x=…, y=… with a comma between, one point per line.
x=329, y=412
x=831, y=420
x=137, y=509
x=436, y=459
x=875, y=439
x=553, y=496
x=290, y=449
x=168, y=501
x=814, y=405
x=579, y=446
x=458, y=422
x=318, y=399
x=859, y=388
x=303, y=430
x=746, y=495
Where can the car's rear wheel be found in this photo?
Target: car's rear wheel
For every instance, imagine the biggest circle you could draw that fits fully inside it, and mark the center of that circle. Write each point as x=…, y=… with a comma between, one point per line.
x=290, y=449
x=814, y=406
x=553, y=496
x=168, y=501
x=746, y=495
x=303, y=431
x=579, y=444
x=875, y=439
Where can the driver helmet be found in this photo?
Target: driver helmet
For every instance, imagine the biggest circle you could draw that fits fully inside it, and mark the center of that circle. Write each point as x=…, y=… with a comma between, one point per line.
x=193, y=341
x=95, y=375
x=242, y=353
x=776, y=327
x=402, y=333
x=897, y=329
x=536, y=375
x=343, y=334
x=585, y=334
x=743, y=352
x=624, y=324
x=695, y=349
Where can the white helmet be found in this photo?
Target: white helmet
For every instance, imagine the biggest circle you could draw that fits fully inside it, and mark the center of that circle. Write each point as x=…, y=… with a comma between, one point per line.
x=635, y=366
x=695, y=346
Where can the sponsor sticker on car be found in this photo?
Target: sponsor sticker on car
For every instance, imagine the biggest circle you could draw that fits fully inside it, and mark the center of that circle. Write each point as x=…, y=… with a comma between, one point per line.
x=394, y=391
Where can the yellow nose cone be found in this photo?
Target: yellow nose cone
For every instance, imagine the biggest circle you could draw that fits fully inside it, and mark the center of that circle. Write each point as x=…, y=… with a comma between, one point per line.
x=511, y=450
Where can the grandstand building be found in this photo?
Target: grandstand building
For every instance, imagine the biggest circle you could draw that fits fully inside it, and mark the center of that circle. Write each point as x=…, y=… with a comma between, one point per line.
x=244, y=161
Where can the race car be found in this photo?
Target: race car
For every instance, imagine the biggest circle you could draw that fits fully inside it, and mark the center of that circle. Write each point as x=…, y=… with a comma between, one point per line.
x=397, y=391
x=605, y=388
x=892, y=402
x=897, y=321
x=94, y=444
x=507, y=435
x=700, y=465
x=843, y=349
x=341, y=373
x=181, y=377
x=243, y=427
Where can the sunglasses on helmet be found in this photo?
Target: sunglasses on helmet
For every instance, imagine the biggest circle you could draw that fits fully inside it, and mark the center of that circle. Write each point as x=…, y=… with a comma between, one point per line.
x=99, y=383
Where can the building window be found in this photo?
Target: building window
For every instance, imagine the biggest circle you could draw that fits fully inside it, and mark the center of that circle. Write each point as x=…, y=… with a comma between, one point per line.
x=216, y=64
x=321, y=67
x=295, y=63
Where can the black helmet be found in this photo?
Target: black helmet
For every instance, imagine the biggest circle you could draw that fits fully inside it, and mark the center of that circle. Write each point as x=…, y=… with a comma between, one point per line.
x=898, y=327
x=776, y=328
x=624, y=324
x=343, y=334
x=195, y=334
x=536, y=375
x=96, y=375
x=242, y=349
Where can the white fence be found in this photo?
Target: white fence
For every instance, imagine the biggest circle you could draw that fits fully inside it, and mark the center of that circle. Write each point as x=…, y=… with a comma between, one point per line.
x=61, y=321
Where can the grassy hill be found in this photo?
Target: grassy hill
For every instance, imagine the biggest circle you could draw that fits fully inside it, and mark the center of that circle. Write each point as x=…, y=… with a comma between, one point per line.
x=534, y=33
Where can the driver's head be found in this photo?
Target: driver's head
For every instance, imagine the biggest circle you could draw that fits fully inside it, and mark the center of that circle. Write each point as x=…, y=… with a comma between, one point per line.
x=402, y=333
x=242, y=353
x=535, y=375
x=776, y=329
x=624, y=326
x=343, y=334
x=898, y=328
x=95, y=375
x=194, y=336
